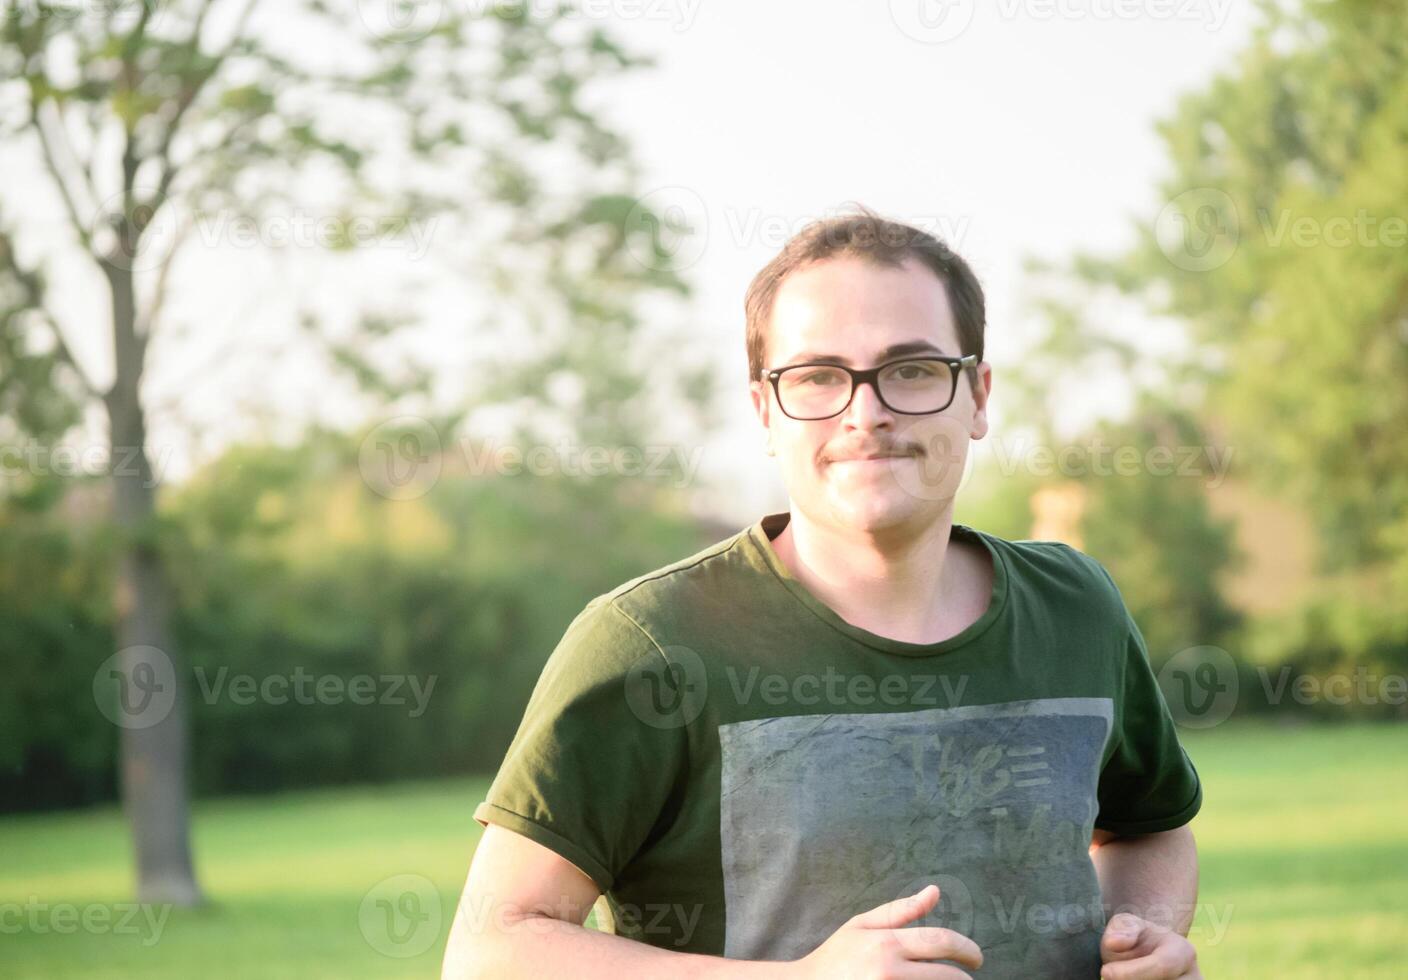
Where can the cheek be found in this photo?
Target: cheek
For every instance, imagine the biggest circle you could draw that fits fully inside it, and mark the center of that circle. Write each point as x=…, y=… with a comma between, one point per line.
x=799, y=450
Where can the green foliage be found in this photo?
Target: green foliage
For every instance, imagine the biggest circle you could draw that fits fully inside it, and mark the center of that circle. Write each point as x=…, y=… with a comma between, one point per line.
x=285, y=562
x=1155, y=534
x=54, y=631
x=38, y=396
x=1282, y=255
x=1305, y=144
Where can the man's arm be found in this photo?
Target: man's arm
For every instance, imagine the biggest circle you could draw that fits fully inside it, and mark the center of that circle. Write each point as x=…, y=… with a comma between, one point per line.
x=1149, y=882
x=523, y=906
x=522, y=915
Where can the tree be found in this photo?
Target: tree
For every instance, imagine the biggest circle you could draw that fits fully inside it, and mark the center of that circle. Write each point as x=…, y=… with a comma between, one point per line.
x=148, y=118
x=1280, y=255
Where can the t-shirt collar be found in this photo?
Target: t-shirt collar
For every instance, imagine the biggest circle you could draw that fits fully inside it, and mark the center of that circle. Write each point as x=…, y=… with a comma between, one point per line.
x=759, y=537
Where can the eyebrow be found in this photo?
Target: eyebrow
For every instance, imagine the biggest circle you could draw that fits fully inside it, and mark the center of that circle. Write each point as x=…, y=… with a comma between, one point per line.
x=893, y=351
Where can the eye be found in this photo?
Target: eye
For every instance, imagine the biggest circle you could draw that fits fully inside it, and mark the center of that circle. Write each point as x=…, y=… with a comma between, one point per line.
x=822, y=378
x=914, y=371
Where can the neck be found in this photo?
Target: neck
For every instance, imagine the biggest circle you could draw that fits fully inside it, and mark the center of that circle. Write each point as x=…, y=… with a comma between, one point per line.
x=898, y=582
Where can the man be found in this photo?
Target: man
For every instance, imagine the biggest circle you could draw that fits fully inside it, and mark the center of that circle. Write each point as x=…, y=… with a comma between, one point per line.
x=767, y=754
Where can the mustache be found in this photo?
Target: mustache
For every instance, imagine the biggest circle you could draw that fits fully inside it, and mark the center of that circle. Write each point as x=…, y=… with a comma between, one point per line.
x=861, y=452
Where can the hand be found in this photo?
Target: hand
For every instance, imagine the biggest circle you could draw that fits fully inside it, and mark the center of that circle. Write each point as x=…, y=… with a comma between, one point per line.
x=872, y=946
x=1136, y=949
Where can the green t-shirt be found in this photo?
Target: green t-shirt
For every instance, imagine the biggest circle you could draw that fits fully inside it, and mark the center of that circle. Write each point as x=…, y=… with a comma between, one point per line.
x=740, y=770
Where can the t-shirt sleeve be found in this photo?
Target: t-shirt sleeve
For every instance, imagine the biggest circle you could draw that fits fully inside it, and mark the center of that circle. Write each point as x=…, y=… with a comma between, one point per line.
x=1148, y=784
x=587, y=775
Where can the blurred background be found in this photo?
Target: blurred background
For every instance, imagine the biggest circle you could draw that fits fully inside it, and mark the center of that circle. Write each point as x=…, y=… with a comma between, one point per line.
x=348, y=347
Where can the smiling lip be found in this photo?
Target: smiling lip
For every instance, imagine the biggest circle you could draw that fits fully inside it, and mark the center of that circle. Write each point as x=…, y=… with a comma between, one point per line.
x=871, y=458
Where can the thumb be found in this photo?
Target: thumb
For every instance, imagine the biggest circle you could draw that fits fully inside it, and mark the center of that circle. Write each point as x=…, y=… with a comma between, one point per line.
x=891, y=915
x=1121, y=936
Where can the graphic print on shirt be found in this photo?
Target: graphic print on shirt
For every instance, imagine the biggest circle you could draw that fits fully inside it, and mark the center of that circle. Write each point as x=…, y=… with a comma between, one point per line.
x=825, y=816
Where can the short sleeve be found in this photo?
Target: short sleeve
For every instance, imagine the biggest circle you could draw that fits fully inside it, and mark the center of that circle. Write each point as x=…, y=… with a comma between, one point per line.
x=1148, y=784
x=586, y=775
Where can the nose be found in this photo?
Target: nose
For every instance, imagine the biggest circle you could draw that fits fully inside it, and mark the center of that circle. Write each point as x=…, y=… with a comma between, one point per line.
x=866, y=411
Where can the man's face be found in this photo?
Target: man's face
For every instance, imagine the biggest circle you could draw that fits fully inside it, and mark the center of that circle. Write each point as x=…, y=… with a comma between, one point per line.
x=869, y=468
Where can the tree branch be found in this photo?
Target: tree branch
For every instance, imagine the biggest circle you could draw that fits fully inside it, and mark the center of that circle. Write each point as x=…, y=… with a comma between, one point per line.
x=60, y=138
x=167, y=170
x=130, y=78
x=146, y=322
x=189, y=95
x=138, y=34
x=51, y=161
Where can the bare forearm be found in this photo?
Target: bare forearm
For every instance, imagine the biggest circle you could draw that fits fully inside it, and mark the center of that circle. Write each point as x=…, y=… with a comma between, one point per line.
x=1155, y=876
x=542, y=946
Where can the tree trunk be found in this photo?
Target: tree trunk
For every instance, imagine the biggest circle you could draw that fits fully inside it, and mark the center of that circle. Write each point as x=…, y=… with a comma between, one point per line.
x=154, y=730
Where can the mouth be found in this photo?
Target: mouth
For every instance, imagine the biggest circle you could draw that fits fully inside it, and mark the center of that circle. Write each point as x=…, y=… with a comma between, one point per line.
x=872, y=458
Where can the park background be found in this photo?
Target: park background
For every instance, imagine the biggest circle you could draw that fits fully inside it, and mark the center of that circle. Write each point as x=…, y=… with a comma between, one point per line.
x=366, y=340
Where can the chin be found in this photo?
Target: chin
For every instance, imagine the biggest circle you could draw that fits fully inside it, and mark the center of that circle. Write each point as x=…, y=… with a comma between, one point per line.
x=872, y=508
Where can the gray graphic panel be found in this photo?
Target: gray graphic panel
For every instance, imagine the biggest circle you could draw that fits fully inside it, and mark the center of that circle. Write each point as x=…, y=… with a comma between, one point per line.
x=827, y=816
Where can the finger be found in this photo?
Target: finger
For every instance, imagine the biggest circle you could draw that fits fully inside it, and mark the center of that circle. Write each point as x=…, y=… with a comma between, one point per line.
x=1163, y=963
x=1122, y=937
x=937, y=943
x=891, y=915
x=912, y=970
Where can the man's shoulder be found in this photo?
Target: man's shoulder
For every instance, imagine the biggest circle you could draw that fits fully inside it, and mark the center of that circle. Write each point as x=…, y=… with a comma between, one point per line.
x=620, y=627
x=678, y=574
x=1058, y=569
x=701, y=577
x=1047, y=552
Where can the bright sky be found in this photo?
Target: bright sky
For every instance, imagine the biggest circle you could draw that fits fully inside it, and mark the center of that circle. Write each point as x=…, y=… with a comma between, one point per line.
x=1012, y=129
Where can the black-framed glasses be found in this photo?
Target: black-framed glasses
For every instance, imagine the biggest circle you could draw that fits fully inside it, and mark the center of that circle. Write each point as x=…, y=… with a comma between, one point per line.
x=908, y=386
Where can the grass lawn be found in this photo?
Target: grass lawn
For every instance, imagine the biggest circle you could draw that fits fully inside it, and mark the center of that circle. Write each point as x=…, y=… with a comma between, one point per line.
x=1303, y=851
x=1303, y=842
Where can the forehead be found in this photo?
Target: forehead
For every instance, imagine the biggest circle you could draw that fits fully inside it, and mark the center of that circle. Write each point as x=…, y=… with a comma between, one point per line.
x=855, y=310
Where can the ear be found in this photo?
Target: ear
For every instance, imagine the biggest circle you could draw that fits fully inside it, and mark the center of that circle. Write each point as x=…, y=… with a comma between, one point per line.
x=982, y=391
x=762, y=407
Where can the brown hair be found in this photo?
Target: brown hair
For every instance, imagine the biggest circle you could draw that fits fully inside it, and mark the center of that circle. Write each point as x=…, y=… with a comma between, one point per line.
x=864, y=234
